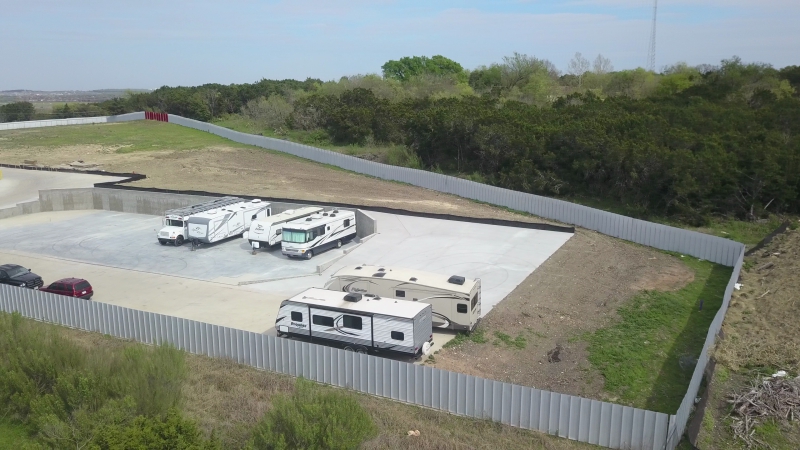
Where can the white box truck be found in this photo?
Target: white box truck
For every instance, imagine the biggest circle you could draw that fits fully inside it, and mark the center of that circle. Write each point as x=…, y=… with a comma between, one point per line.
x=356, y=322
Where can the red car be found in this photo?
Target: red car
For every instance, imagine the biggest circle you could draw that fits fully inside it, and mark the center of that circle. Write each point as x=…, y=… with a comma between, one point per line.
x=71, y=287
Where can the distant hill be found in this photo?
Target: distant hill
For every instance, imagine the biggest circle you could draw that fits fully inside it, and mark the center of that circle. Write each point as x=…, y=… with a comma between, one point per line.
x=94, y=96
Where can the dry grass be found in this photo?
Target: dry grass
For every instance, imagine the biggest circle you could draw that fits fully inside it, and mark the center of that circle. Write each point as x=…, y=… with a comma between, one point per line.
x=228, y=399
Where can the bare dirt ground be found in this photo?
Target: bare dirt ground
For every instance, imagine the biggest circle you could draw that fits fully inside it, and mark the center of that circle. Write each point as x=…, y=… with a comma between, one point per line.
x=577, y=290
x=759, y=337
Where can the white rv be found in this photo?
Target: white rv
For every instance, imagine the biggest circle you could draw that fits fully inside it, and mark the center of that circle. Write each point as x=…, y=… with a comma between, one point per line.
x=175, y=220
x=456, y=300
x=304, y=238
x=359, y=323
x=232, y=220
x=267, y=232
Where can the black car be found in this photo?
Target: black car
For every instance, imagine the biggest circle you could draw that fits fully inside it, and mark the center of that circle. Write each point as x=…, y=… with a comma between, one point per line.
x=19, y=276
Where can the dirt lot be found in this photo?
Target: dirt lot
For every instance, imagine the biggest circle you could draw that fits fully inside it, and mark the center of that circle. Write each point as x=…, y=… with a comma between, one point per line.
x=575, y=291
x=759, y=338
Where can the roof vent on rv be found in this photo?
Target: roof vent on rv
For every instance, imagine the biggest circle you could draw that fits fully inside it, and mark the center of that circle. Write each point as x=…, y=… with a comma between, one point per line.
x=256, y=200
x=289, y=211
x=333, y=215
x=358, y=267
x=308, y=219
x=455, y=279
x=379, y=274
x=412, y=279
x=324, y=214
x=352, y=297
x=335, y=211
x=381, y=270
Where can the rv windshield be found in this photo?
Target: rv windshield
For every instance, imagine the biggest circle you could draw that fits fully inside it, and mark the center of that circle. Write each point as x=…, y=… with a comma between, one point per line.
x=174, y=223
x=295, y=236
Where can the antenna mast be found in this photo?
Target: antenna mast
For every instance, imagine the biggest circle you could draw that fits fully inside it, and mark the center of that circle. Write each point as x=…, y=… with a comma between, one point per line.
x=651, y=52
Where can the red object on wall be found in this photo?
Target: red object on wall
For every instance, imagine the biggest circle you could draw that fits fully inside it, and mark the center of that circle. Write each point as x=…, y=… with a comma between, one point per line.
x=152, y=115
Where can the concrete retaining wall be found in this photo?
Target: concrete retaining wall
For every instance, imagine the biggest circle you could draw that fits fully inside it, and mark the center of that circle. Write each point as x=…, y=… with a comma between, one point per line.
x=139, y=202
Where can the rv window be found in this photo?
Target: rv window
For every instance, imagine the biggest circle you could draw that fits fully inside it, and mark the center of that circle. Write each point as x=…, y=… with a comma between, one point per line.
x=346, y=223
x=296, y=236
x=278, y=232
x=399, y=294
x=269, y=212
x=398, y=336
x=325, y=321
x=353, y=322
x=174, y=223
x=462, y=308
x=297, y=316
x=475, y=300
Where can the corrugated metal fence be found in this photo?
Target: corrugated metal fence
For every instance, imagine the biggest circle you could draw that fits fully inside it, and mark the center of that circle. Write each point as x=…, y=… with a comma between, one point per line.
x=73, y=121
x=581, y=419
x=585, y=420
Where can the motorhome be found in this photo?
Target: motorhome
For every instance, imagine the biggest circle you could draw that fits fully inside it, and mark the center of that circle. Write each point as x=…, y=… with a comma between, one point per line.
x=267, y=232
x=175, y=224
x=356, y=322
x=456, y=300
x=304, y=238
x=232, y=220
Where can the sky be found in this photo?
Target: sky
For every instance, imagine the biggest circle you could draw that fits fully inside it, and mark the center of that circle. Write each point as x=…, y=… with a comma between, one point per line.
x=94, y=44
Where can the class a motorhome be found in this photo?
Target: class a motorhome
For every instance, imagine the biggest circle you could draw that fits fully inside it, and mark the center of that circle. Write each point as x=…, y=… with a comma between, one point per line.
x=356, y=322
x=267, y=232
x=175, y=221
x=456, y=300
x=221, y=223
x=304, y=238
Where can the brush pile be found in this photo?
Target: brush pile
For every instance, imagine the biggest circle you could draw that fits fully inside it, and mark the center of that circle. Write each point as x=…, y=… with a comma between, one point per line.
x=776, y=398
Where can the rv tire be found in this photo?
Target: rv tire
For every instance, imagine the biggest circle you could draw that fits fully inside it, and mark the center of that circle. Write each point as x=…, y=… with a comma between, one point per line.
x=178, y=241
x=361, y=349
x=162, y=242
x=309, y=254
x=348, y=348
x=339, y=243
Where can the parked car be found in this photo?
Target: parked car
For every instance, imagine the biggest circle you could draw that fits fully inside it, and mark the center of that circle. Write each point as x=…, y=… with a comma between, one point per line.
x=19, y=276
x=71, y=287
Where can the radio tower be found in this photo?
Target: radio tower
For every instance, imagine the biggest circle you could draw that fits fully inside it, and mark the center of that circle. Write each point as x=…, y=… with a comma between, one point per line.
x=651, y=52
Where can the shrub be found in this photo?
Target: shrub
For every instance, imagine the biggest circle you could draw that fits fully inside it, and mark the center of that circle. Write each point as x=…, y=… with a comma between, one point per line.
x=313, y=418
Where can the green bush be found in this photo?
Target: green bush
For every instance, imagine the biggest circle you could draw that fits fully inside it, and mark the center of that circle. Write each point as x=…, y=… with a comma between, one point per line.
x=171, y=432
x=313, y=418
x=65, y=394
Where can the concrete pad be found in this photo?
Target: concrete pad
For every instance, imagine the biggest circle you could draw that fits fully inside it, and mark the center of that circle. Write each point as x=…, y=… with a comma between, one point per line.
x=128, y=241
x=118, y=253
x=20, y=185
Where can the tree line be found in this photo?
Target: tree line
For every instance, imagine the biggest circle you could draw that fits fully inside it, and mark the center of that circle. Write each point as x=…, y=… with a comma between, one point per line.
x=688, y=143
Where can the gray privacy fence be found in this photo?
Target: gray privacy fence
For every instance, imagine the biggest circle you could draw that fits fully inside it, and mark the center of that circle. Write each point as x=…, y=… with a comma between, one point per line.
x=73, y=121
x=663, y=237
x=592, y=421
x=679, y=420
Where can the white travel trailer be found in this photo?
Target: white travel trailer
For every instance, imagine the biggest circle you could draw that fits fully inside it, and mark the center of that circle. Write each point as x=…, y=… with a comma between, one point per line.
x=232, y=220
x=304, y=238
x=175, y=220
x=267, y=232
x=456, y=300
x=360, y=323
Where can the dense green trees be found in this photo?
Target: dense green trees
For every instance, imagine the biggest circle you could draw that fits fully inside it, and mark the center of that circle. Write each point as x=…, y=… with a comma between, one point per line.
x=16, y=112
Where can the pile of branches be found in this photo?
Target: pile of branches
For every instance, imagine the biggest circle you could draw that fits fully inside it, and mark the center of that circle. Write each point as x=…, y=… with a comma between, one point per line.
x=773, y=398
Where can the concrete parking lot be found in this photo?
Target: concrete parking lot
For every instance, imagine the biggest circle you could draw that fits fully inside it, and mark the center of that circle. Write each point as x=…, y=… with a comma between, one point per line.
x=224, y=283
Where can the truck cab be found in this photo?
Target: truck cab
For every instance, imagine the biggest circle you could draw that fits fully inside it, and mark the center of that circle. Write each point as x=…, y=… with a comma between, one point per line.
x=174, y=231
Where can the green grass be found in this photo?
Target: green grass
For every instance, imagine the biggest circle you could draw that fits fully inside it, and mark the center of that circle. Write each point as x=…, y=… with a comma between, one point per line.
x=518, y=342
x=640, y=356
x=13, y=435
x=477, y=336
x=141, y=135
x=397, y=155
